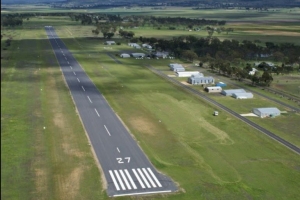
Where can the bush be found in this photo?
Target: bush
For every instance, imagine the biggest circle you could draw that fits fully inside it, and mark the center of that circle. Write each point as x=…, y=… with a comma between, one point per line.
x=172, y=28
x=118, y=43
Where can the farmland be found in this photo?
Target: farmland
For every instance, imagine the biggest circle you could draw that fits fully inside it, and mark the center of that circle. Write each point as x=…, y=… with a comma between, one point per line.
x=209, y=157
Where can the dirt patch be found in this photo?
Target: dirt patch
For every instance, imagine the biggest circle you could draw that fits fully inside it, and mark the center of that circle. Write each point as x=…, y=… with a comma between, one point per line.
x=185, y=83
x=71, y=185
x=269, y=32
x=143, y=125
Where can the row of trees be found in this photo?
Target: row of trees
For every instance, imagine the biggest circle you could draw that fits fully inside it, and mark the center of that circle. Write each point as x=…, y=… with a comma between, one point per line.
x=11, y=21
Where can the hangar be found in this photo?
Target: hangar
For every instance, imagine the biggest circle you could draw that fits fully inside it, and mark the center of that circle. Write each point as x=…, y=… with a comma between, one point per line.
x=266, y=112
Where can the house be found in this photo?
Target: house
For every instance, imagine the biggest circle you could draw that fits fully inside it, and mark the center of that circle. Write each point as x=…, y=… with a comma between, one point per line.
x=134, y=45
x=243, y=95
x=147, y=46
x=232, y=91
x=176, y=67
x=138, y=55
x=266, y=112
x=199, y=79
x=110, y=42
x=253, y=71
x=161, y=54
x=124, y=55
x=214, y=89
x=189, y=74
x=221, y=84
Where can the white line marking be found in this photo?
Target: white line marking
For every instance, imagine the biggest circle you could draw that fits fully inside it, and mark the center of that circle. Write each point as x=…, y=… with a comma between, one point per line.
x=97, y=112
x=114, y=180
x=154, y=177
x=149, y=178
x=63, y=54
x=74, y=73
x=83, y=88
x=125, y=179
x=118, y=150
x=138, y=178
x=128, y=194
x=68, y=62
x=71, y=67
x=107, y=130
x=143, y=177
x=78, y=80
x=130, y=179
x=119, y=179
x=89, y=99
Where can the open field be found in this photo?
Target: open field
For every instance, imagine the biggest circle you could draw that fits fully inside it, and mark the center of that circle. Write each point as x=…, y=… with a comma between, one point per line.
x=210, y=158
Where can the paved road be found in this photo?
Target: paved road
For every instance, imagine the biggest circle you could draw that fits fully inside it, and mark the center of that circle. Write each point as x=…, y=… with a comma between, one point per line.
x=126, y=168
x=254, y=125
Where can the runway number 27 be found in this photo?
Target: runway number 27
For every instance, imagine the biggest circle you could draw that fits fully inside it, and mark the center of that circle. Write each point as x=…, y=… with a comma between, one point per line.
x=120, y=160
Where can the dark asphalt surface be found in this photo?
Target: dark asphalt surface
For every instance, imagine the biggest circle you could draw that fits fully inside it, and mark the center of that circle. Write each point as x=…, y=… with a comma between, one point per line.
x=254, y=125
x=126, y=168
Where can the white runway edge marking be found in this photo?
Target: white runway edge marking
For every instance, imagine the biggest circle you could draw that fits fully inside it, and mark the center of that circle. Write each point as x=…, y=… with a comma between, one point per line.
x=107, y=130
x=74, y=73
x=114, y=180
x=149, y=178
x=154, y=177
x=119, y=179
x=130, y=179
x=143, y=177
x=118, y=150
x=119, y=195
x=83, y=88
x=78, y=80
x=97, y=112
x=138, y=178
x=89, y=99
x=125, y=179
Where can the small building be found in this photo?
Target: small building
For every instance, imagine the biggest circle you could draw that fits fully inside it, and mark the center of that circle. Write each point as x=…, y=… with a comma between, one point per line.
x=161, y=54
x=232, y=91
x=221, y=84
x=176, y=67
x=243, y=95
x=124, y=55
x=199, y=79
x=214, y=89
x=252, y=72
x=188, y=74
x=134, y=45
x=138, y=55
x=110, y=42
x=266, y=112
x=147, y=46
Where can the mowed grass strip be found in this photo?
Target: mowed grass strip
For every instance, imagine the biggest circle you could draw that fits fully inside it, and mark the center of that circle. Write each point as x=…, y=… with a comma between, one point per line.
x=209, y=157
x=45, y=153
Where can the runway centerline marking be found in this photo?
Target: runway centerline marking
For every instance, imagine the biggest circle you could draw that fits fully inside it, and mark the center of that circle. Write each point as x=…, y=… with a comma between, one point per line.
x=78, y=80
x=118, y=150
x=74, y=73
x=89, y=99
x=107, y=130
x=83, y=88
x=71, y=67
x=97, y=112
x=68, y=62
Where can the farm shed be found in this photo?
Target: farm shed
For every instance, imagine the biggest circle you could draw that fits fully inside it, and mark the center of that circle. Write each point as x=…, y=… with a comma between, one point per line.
x=266, y=112
x=243, y=95
x=110, y=42
x=200, y=79
x=161, y=54
x=232, y=91
x=135, y=45
x=147, y=46
x=188, y=74
x=138, y=55
x=214, y=89
x=124, y=55
x=221, y=84
x=177, y=67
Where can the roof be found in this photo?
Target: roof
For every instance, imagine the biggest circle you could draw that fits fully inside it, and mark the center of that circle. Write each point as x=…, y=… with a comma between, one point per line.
x=235, y=91
x=214, y=87
x=175, y=65
x=268, y=110
x=110, y=41
x=243, y=94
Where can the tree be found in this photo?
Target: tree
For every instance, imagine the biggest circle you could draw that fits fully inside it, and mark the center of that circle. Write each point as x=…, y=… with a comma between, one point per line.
x=189, y=55
x=267, y=78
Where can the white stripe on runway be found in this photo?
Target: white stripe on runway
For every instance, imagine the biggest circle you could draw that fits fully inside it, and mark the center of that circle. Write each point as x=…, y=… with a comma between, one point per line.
x=114, y=180
x=154, y=177
x=125, y=179
x=68, y=62
x=83, y=88
x=149, y=178
x=66, y=58
x=89, y=99
x=107, y=130
x=138, y=178
x=74, y=73
x=78, y=80
x=139, y=193
x=71, y=67
x=130, y=179
x=143, y=177
x=119, y=179
x=97, y=112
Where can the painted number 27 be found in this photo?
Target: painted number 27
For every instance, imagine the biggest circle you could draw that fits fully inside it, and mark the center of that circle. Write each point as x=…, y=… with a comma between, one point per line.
x=120, y=160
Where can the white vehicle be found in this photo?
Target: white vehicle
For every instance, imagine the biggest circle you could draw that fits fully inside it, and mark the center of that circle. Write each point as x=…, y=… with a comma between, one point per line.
x=216, y=113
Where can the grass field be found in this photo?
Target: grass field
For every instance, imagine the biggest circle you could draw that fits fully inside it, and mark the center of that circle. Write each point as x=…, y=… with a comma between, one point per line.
x=209, y=157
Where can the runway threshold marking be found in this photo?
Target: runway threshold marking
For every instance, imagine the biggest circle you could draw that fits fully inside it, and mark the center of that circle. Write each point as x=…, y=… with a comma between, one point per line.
x=107, y=130
x=114, y=180
x=89, y=99
x=125, y=179
x=97, y=112
x=119, y=179
x=154, y=177
x=138, y=178
x=130, y=179
x=146, y=173
x=140, y=193
x=83, y=88
x=143, y=177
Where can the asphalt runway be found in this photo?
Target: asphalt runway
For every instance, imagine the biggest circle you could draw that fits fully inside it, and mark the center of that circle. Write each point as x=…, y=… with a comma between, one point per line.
x=126, y=168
